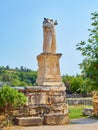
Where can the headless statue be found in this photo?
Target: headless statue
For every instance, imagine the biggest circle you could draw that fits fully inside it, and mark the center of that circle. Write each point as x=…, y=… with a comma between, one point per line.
x=49, y=36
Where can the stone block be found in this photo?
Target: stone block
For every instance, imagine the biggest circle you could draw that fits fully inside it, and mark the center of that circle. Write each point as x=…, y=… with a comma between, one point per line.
x=38, y=99
x=56, y=93
x=49, y=71
x=33, y=112
x=56, y=119
x=87, y=111
x=57, y=106
x=28, y=121
x=16, y=113
x=57, y=99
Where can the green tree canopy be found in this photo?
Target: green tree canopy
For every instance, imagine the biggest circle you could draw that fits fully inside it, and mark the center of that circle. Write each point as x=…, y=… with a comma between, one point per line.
x=18, y=77
x=89, y=50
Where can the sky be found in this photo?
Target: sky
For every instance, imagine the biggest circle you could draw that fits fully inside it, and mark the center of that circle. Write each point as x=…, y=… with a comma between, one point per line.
x=21, y=33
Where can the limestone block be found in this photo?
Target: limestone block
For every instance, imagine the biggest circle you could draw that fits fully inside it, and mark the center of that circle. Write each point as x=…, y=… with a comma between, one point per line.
x=33, y=112
x=95, y=103
x=56, y=107
x=28, y=121
x=56, y=119
x=53, y=83
x=16, y=113
x=57, y=99
x=59, y=108
x=65, y=109
x=95, y=106
x=37, y=89
x=49, y=70
x=87, y=111
x=26, y=111
x=56, y=93
x=38, y=98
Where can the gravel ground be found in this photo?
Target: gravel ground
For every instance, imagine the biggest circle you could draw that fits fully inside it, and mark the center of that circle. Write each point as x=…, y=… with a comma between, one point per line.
x=77, y=124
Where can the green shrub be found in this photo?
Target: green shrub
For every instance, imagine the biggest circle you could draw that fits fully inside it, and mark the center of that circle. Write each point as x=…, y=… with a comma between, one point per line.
x=77, y=84
x=10, y=99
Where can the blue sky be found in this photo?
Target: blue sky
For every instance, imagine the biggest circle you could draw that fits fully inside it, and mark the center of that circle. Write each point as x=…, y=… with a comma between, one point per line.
x=21, y=33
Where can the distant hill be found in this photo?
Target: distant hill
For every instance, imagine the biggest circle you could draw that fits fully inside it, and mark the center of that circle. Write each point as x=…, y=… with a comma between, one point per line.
x=17, y=77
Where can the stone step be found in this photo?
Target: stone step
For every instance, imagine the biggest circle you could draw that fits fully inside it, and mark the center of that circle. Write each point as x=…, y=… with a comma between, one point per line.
x=28, y=121
x=56, y=119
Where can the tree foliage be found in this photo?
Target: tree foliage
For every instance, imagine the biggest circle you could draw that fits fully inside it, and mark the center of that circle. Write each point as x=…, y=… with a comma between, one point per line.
x=11, y=98
x=18, y=76
x=89, y=50
x=76, y=84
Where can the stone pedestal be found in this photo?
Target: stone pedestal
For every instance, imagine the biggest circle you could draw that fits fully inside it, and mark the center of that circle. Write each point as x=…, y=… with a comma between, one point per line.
x=49, y=70
x=47, y=100
x=49, y=79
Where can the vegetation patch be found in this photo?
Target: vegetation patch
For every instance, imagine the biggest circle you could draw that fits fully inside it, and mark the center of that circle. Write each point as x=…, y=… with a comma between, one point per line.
x=76, y=111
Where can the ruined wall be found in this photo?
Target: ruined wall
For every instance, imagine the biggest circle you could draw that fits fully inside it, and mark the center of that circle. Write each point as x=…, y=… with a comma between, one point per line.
x=43, y=100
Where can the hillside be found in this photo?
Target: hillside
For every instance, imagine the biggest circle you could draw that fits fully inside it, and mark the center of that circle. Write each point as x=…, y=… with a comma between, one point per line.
x=17, y=77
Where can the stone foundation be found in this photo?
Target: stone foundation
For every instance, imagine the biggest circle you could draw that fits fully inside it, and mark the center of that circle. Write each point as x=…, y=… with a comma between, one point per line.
x=47, y=100
x=44, y=102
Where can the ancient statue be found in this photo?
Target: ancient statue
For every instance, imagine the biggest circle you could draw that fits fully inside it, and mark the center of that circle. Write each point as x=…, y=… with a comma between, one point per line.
x=49, y=36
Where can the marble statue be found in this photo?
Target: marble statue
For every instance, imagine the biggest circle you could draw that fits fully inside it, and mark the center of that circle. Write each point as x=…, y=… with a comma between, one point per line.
x=49, y=36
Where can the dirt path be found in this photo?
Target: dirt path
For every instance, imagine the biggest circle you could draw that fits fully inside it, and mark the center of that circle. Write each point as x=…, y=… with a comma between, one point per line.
x=77, y=124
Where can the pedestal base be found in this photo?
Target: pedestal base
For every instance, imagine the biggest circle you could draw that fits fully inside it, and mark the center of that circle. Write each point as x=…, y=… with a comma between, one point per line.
x=49, y=70
x=45, y=102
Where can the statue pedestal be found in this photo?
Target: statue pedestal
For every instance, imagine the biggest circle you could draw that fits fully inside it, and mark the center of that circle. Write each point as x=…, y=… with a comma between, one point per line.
x=49, y=79
x=49, y=70
x=46, y=102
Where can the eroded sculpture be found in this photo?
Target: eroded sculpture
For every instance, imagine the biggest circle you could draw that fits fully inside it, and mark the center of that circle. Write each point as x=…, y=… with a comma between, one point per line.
x=49, y=36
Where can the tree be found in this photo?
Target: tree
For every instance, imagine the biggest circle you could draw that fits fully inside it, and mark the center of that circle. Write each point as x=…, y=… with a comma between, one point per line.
x=10, y=99
x=7, y=67
x=89, y=50
x=76, y=84
x=17, y=77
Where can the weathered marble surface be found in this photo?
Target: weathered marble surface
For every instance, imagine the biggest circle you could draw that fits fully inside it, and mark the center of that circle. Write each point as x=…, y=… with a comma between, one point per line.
x=28, y=121
x=49, y=36
x=49, y=69
x=44, y=101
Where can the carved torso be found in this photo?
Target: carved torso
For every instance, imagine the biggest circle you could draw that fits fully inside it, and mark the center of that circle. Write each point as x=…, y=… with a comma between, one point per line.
x=49, y=36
